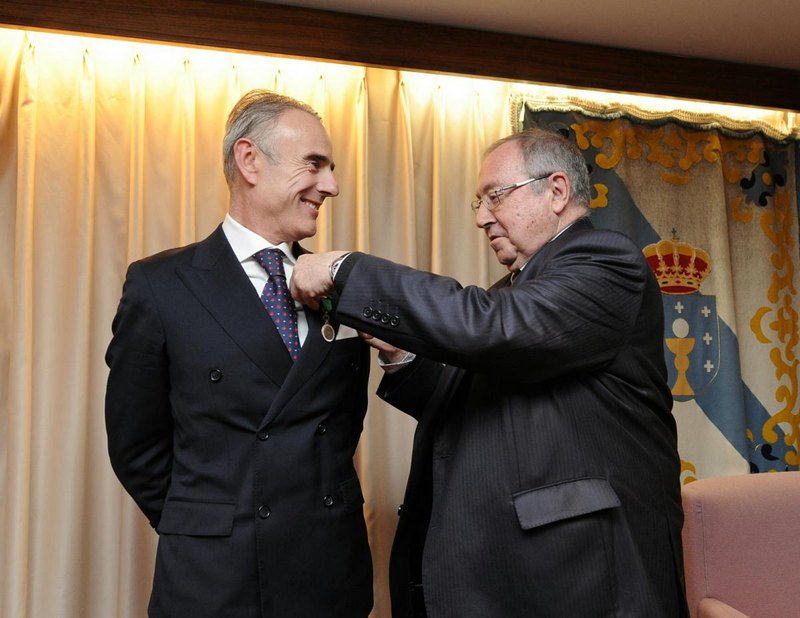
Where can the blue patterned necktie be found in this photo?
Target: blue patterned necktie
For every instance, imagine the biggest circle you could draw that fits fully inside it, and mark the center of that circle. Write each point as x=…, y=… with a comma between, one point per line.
x=277, y=300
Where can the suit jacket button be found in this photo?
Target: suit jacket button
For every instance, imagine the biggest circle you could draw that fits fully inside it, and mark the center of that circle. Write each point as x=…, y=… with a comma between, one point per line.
x=354, y=366
x=215, y=375
x=385, y=318
x=264, y=512
x=399, y=510
x=327, y=501
x=367, y=312
x=321, y=429
x=395, y=321
x=263, y=435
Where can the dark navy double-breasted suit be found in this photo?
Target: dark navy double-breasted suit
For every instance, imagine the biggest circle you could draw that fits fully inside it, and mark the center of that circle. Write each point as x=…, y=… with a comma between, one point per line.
x=241, y=460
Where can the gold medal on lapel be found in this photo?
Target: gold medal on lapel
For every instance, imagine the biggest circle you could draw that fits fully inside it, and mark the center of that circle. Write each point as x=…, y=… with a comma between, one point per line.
x=328, y=332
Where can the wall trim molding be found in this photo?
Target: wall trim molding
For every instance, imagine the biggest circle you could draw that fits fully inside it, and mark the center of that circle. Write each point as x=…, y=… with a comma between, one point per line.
x=253, y=26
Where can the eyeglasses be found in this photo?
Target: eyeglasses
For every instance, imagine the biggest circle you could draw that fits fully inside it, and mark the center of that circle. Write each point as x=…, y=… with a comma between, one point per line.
x=491, y=199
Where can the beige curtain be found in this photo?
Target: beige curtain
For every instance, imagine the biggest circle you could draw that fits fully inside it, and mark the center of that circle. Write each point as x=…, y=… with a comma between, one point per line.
x=111, y=151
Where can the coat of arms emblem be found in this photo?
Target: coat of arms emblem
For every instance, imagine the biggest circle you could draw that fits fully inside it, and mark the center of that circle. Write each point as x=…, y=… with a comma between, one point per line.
x=691, y=327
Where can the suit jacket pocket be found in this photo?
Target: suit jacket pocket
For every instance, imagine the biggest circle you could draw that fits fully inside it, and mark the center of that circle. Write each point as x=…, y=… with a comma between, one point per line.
x=197, y=517
x=545, y=505
x=351, y=494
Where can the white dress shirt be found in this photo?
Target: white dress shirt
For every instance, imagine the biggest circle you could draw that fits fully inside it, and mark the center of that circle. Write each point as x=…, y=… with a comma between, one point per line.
x=245, y=244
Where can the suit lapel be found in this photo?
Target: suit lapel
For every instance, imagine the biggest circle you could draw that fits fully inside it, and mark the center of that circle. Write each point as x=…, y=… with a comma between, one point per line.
x=219, y=283
x=315, y=348
x=314, y=351
x=541, y=259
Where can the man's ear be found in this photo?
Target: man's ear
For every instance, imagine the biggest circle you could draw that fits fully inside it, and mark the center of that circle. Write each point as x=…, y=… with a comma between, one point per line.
x=561, y=191
x=245, y=153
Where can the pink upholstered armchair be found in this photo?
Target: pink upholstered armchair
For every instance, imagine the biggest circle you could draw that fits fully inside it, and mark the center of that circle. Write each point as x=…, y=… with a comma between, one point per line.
x=741, y=542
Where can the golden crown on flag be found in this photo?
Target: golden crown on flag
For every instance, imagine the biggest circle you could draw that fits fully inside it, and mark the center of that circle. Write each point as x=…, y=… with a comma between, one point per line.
x=679, y=267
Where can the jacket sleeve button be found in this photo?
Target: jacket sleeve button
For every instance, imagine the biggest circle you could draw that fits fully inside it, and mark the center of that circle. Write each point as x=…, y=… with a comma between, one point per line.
x=395, y=321
x=327, y=501
x=367, y=312
x=215, y=375
x=321, y=429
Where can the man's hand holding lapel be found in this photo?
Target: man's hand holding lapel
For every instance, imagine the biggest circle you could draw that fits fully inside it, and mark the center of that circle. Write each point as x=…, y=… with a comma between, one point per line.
x=311, y=279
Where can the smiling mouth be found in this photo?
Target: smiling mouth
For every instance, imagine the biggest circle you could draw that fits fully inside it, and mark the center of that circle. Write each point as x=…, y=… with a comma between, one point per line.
x=312, y=205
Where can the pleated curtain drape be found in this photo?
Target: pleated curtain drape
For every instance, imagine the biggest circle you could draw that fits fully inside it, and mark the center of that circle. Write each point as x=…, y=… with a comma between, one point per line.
x=111, y=151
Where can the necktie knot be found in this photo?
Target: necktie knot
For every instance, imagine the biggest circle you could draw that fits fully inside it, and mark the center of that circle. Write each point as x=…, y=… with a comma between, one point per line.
x=271, y=260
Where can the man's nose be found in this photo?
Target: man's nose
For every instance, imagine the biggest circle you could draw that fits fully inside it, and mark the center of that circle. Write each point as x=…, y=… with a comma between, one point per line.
x=484, y=217
x=327, y=185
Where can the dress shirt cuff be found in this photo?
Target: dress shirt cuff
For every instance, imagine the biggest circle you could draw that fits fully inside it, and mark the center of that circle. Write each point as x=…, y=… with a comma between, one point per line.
x=394, y=367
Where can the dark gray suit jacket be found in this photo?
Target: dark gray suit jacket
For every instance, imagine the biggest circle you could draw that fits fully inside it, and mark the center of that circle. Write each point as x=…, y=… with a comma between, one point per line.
x=241, y=459
x=545, y=477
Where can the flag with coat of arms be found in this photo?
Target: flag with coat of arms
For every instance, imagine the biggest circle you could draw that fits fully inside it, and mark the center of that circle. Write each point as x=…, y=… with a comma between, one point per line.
x=715, y=214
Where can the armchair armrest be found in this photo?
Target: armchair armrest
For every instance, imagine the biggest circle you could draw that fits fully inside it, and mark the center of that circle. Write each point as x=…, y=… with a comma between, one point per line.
x=714, y=608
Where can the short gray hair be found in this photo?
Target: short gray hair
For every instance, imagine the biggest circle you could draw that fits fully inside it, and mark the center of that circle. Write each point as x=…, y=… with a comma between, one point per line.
x=545, y=152
x=253, y=117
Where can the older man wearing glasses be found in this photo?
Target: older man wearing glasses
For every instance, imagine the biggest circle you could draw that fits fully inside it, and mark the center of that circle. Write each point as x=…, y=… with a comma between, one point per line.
x=545, y=475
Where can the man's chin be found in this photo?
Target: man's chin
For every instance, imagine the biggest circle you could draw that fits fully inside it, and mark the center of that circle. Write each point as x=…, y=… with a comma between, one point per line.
x=506, y=260
x=301, y=235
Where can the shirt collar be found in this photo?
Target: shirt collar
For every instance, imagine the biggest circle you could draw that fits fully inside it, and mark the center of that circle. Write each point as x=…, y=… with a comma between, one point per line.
x=246, y=243
x=521, y=268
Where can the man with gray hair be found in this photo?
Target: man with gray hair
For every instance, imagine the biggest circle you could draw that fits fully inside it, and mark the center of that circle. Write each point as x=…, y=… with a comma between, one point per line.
x=545, y=476
x=233, y=413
